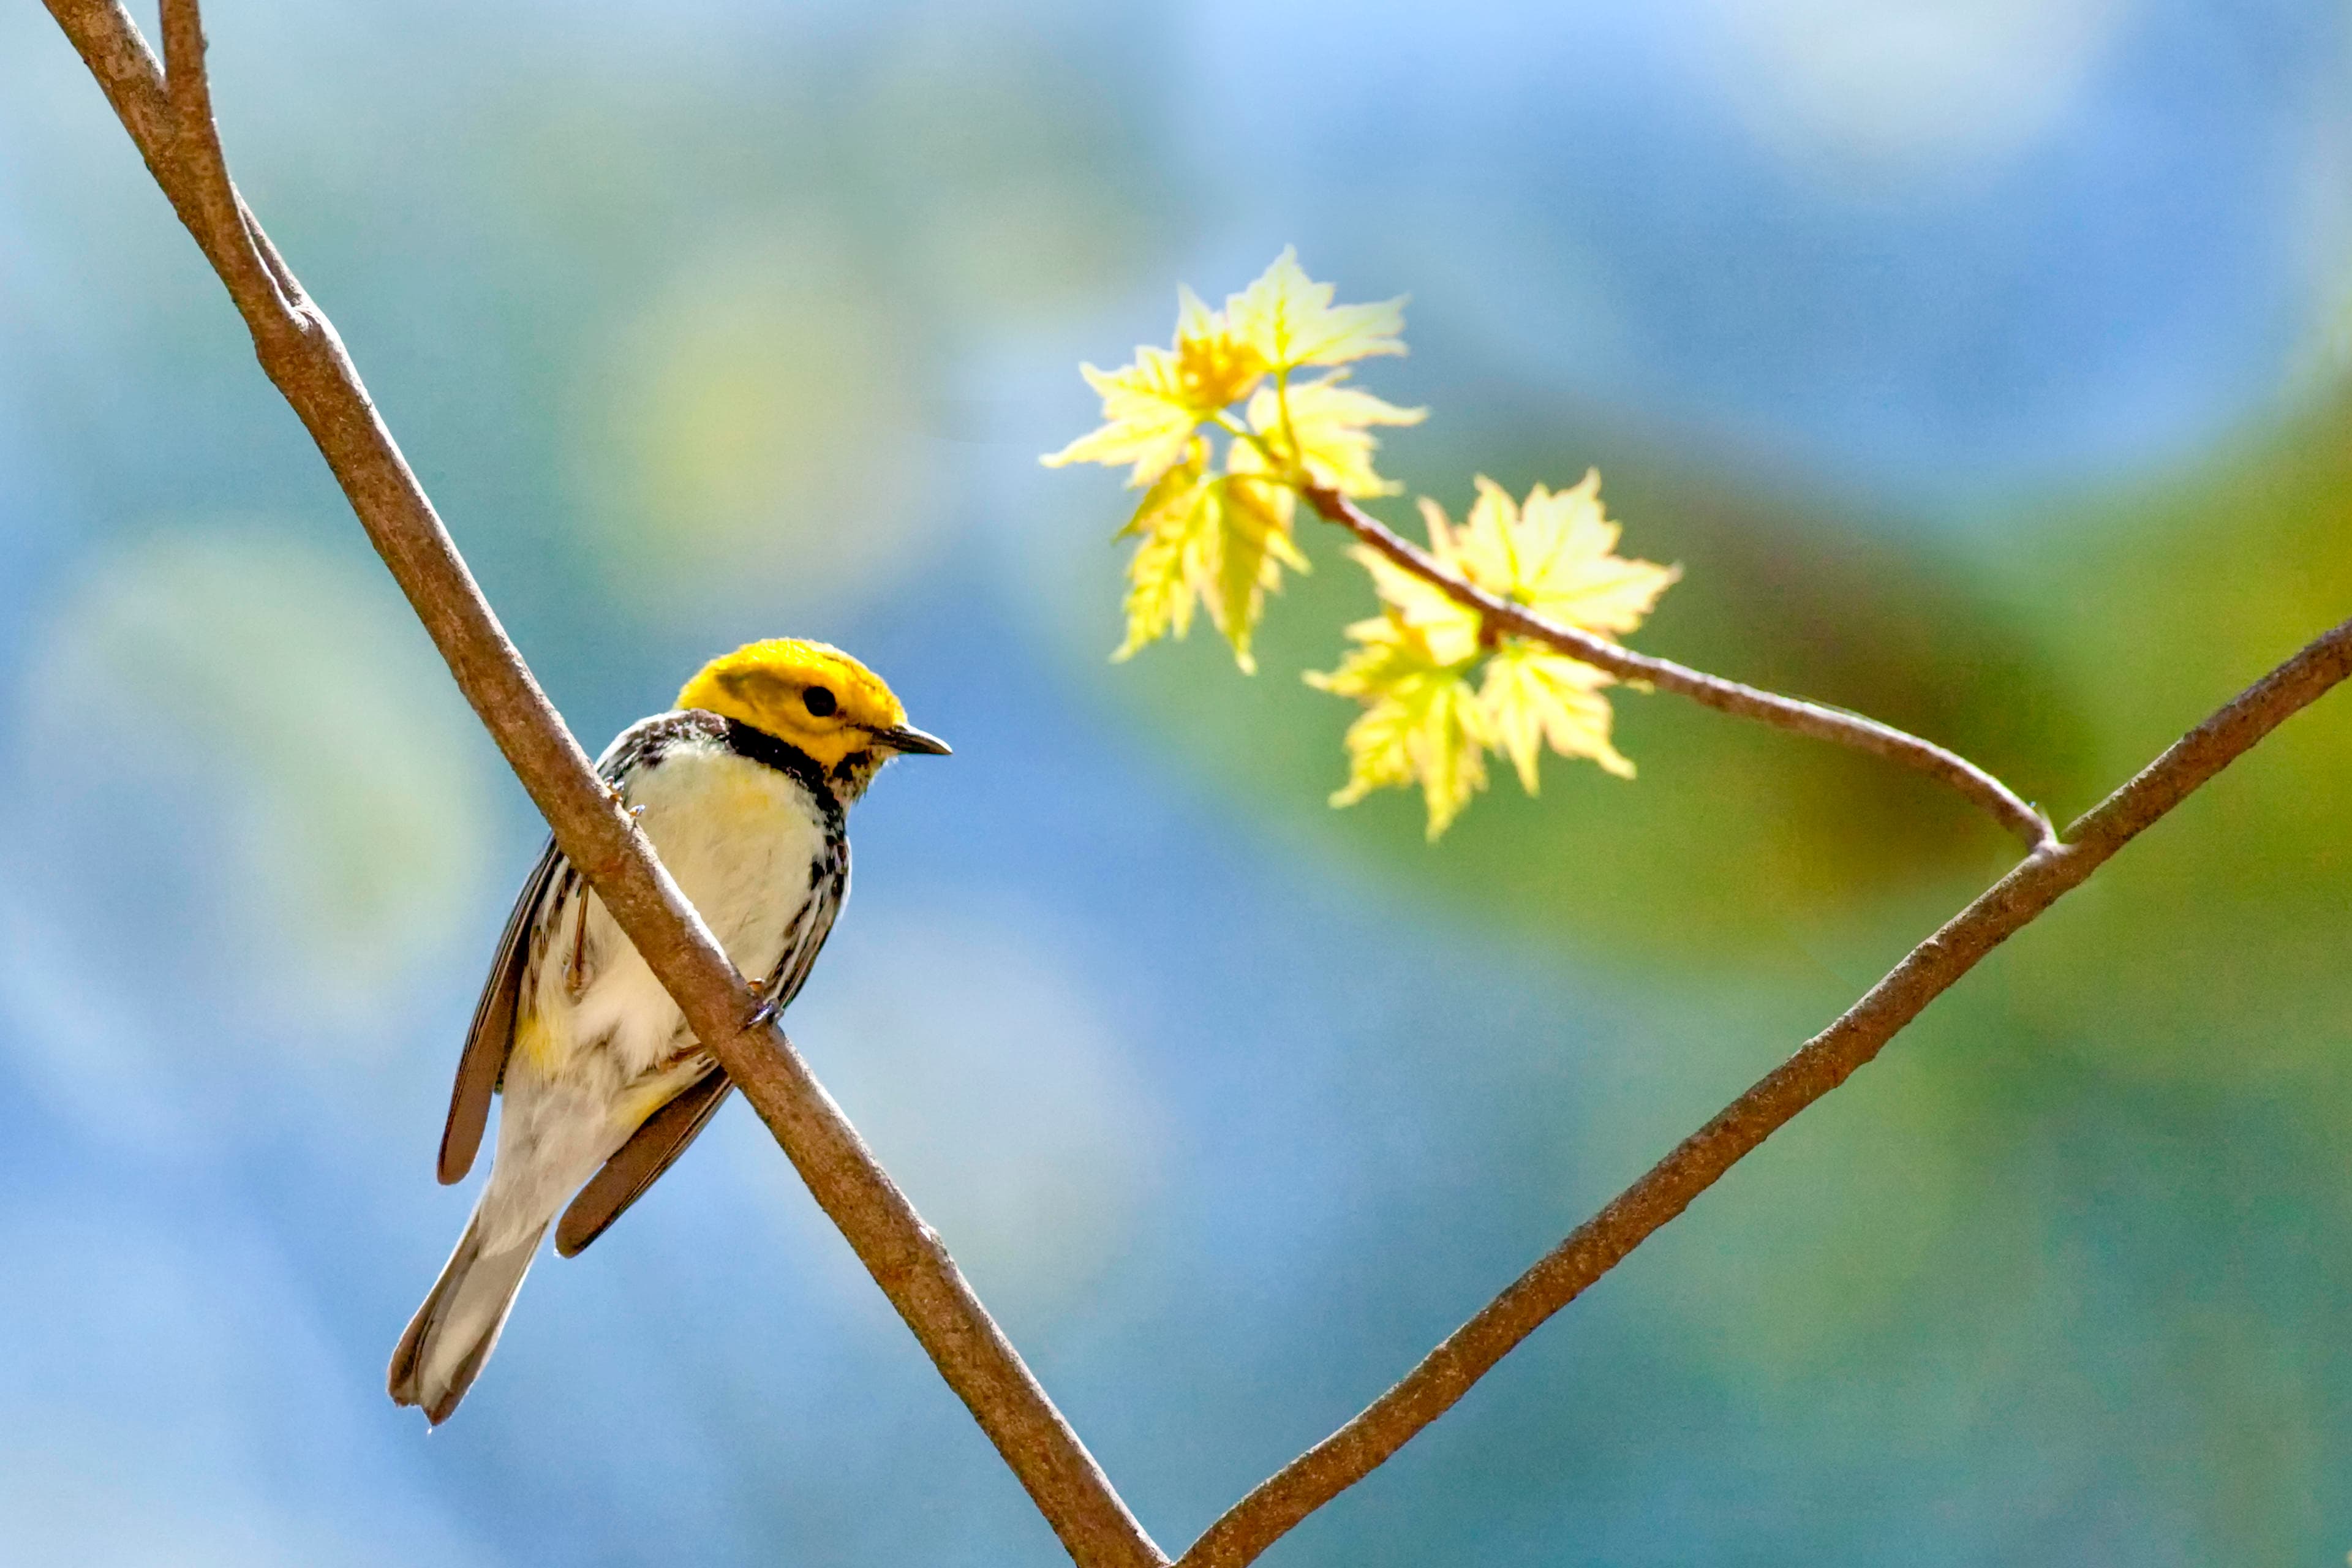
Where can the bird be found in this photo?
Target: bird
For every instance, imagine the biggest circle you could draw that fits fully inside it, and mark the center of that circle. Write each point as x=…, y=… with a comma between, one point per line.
x=744, y=789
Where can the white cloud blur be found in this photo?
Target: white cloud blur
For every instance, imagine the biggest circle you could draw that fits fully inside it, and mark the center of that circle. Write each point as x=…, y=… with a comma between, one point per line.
x=1908, y=88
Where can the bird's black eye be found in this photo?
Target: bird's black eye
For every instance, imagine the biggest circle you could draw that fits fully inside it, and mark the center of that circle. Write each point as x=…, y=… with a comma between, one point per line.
x=819, y=701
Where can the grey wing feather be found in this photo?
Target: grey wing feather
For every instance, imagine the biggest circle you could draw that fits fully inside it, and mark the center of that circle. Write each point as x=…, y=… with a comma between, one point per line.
x=652, y=1149
x=484, y=1060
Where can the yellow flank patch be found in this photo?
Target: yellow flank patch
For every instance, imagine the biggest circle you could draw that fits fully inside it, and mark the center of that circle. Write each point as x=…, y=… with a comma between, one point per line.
x=633, y=1106
x=536, y=1044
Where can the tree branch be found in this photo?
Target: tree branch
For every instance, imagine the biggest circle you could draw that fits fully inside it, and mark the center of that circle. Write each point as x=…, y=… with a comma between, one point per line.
x=1826, y=1060
x=228, y=230
x=170, y=121
x=1812, y=719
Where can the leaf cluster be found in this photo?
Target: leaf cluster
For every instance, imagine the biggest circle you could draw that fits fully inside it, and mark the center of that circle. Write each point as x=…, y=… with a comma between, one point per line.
x=1224, y=436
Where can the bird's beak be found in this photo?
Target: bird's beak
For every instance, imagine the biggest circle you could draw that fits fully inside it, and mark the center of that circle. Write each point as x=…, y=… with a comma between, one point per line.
x=908, y=741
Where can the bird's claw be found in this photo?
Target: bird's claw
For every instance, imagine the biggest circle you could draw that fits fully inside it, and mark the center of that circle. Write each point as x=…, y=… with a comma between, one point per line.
x=765, y=1013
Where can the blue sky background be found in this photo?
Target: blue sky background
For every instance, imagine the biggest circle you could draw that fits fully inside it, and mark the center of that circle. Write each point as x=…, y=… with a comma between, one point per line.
x=1979, y=362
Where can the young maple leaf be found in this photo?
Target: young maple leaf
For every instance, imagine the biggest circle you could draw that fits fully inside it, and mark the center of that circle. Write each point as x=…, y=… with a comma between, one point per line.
x=1171, y=557
x=1422, y=720
x=1257, y=513
x=1222, y=540
x=1290, y=320
x=1214, y=540
x=1323, y=430
x=1152, y=408
x=1535, y=698
x=1556, y=555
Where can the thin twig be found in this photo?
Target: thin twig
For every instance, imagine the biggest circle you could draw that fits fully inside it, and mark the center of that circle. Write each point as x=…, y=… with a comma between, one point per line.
x=310, y=366
x=1594, y=1248
x=227, y=236
x=1710, y=690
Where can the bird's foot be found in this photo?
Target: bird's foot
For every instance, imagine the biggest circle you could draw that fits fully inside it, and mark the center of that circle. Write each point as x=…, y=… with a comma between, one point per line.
x=765, y=1013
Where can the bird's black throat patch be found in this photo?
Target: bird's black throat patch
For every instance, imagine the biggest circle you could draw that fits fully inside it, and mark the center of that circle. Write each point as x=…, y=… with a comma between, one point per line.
x=648, y=743
x=768, y=751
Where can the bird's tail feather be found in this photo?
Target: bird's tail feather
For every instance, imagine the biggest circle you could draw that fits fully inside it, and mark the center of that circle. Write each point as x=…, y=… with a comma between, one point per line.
x=453, y=1333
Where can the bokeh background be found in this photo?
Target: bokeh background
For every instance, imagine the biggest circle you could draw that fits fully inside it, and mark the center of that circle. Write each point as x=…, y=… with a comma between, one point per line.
x=1982, y=361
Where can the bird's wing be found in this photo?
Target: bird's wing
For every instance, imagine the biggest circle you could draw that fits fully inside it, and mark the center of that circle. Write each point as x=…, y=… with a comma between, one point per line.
x=662, y=1137
x=484, y=1061
x=651, y=1150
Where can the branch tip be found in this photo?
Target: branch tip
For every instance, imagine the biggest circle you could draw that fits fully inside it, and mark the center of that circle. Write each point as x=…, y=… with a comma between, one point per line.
x=231, y=236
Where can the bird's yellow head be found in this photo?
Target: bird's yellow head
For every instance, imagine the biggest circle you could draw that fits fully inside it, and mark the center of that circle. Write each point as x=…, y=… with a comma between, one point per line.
x=815, y=697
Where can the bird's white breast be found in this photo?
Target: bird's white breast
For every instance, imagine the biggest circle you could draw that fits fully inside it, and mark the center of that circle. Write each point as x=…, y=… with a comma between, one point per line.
x=740, y=838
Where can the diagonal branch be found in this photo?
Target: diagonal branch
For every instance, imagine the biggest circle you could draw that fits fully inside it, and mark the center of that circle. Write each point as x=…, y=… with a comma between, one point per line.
x=1820, y=722
x=171, y=122
x=1826, y=1060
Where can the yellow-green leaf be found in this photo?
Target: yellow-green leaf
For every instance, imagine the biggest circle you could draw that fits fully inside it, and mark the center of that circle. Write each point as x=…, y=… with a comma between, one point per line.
x=1253, y=545
x=1242, y=571
x=1218, y=541
x=1555, y=554
x=1422, y=720
x=1178, y=523
x=1290, y=321
x=1274, y=499
x=1533, y=698
x=1325, y=430
x=1146, y=418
